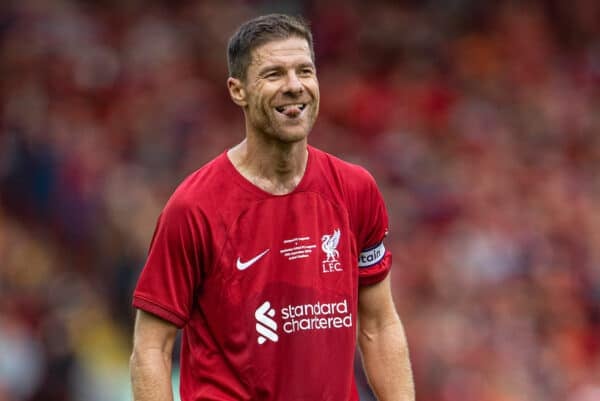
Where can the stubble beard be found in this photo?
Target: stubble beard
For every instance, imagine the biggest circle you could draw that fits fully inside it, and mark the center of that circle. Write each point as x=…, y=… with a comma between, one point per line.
x=273, y=128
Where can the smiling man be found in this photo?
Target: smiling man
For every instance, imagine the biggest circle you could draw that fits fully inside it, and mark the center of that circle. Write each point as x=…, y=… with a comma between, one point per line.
x=271, y=257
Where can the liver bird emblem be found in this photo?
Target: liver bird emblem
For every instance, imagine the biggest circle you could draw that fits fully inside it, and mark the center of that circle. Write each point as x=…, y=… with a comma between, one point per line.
x=329, y=245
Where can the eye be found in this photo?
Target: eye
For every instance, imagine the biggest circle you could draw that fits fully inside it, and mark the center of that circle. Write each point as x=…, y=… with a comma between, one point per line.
x=272, y=75
x=306, y=72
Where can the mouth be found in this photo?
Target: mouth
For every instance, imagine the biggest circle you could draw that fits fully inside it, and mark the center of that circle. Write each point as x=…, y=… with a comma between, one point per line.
x=291, y=110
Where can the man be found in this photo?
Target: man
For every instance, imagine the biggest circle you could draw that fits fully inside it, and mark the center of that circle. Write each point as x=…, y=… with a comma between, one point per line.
x=270, y=257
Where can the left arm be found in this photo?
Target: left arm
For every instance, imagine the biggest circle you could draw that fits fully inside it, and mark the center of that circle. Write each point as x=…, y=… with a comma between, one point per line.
x=383, y=344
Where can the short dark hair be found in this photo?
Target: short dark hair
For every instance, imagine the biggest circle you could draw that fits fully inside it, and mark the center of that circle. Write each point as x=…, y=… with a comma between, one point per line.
x=261, y=30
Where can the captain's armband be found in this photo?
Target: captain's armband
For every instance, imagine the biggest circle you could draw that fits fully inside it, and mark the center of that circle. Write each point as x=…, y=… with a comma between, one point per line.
x=371, y=256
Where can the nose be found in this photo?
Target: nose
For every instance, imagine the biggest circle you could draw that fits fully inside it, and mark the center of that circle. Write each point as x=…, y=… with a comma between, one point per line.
x=293, y=84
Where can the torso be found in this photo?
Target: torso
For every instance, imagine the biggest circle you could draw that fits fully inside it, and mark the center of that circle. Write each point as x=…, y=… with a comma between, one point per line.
x=273, y=306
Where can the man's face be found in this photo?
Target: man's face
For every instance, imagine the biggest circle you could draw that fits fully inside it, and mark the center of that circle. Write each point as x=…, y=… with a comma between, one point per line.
x=282, y=91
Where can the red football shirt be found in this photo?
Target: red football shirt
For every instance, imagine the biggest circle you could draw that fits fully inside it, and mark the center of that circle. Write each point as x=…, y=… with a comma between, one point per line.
x=265, y=286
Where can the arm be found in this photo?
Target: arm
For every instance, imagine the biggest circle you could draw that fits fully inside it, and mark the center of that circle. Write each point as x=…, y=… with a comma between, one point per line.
x=383, y=344
x=151, y=359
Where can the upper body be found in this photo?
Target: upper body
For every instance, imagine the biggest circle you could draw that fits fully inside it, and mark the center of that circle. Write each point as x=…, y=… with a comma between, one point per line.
x=256, y=255
x=265, y=286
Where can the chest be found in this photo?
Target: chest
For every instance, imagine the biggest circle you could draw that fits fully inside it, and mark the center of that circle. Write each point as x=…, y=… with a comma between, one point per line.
x=296, y=249
x=305, y=240
x=284, y=281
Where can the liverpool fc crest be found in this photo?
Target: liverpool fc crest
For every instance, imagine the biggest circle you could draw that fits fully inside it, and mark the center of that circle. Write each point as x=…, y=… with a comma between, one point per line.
x=329, y=246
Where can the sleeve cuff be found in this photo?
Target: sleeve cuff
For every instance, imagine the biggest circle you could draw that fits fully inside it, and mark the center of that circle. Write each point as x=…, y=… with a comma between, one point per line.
x=376, y=273
x=157, y=310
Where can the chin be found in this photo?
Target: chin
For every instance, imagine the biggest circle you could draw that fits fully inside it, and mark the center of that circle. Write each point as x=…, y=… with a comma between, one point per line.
x=290, y=134
x=291, y=137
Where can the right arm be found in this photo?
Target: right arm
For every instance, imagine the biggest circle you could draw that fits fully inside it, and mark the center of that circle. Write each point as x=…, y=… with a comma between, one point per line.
x=151, y=359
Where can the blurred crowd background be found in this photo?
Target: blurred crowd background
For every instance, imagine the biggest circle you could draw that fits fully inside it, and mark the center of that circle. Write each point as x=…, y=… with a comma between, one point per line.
x=479, y=120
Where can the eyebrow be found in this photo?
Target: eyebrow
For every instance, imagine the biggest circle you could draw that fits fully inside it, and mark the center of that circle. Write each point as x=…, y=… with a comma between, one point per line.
x=310, y=65
x=278, y=67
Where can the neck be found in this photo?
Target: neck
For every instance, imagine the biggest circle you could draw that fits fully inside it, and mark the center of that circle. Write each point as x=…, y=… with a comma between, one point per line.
x=275, y=167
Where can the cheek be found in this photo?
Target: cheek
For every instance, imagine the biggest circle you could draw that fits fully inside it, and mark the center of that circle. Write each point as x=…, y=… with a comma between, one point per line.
x=260, y=102
x=259, y=109
x=256, y=102
x=314, y=89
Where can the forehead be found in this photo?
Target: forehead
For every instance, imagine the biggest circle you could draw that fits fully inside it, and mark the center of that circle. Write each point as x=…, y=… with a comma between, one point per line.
x=283, y=51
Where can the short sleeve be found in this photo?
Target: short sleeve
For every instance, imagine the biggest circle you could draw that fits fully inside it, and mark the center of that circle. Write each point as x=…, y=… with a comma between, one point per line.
x=374, y=261
x=172, y=272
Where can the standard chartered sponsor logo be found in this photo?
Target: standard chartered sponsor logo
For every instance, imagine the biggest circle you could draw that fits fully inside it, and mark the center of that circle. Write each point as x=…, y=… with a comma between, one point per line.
x=265, y=325
x=303, y=317
x=319, y=316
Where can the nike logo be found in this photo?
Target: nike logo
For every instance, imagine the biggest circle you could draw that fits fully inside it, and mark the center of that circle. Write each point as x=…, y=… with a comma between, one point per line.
x=244, y=265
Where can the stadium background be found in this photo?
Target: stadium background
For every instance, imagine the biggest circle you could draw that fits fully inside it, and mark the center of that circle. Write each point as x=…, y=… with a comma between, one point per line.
x=480, y=121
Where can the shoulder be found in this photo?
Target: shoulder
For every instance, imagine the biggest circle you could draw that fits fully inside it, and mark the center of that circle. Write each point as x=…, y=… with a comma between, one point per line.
x=351, y=176
x=196, y=190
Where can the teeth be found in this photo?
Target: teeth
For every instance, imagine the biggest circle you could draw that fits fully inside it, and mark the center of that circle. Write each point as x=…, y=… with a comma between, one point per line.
x=281, y=109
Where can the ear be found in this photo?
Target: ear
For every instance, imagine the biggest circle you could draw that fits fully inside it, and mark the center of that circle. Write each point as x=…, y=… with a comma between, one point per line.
x=237, y=91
